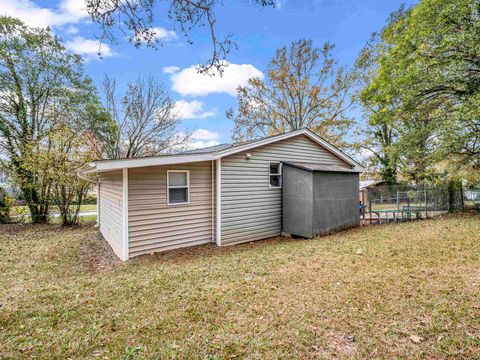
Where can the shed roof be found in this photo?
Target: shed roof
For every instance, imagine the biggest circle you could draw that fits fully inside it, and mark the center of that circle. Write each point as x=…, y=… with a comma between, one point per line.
x=210, y=153
x=320, y=168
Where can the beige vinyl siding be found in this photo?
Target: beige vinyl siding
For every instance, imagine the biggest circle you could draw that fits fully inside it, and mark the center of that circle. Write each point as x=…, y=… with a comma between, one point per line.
x=251, y=210
x=155, y=226
x=111, y=208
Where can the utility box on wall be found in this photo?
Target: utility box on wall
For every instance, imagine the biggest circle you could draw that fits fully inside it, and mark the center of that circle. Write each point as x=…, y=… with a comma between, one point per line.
x=319, y=199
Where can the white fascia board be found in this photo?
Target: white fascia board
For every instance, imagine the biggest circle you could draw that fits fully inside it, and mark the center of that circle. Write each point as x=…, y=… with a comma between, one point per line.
x=107, y=165
x=285, y=136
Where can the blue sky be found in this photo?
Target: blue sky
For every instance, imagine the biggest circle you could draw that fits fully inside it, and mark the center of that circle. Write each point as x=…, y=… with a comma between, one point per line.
x=258, y=32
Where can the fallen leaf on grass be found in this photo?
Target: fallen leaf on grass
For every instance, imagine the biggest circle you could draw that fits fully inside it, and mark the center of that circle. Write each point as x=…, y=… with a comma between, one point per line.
x=416, y=339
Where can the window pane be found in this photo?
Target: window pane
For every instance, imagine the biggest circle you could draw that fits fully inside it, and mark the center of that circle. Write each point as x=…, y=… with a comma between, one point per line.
x=275, y=180
x=274, y=168
x=177, y=196
x=177, y=179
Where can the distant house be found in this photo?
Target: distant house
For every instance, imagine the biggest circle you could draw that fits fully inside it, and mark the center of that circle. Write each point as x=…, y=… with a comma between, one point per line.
x=367, y=184
x=226, y=194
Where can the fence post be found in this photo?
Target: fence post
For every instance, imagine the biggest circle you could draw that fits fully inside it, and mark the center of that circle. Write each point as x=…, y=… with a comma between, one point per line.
x=461, y=196
x=409, y=213
x=398, y=201
x=364, y=206
x=370, y=208
x=451, y=196
x=426, y=201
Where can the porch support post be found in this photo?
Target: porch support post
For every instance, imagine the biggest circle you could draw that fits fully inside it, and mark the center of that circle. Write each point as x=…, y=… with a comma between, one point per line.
x=218, y=210
x=97, y=224
x=125, y=214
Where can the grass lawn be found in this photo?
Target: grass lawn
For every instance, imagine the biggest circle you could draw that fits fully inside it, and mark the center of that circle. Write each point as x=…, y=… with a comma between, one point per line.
x=408, y=290
x=23, y=209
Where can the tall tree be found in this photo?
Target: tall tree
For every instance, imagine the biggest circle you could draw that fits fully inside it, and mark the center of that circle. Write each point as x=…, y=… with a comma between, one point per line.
x=136, y=20
x=379, y=134
x=56, y=162
x=430, y=64
x=146, y=119
x=417, y=147
x=40, y=85
x=303, y=88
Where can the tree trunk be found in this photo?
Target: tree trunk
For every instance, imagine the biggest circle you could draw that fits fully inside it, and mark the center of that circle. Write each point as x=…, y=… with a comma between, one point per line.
x=389, y=174
x=38, y=209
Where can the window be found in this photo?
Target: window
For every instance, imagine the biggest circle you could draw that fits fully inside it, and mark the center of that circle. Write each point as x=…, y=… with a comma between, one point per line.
x=178, y=187
x=275, y=174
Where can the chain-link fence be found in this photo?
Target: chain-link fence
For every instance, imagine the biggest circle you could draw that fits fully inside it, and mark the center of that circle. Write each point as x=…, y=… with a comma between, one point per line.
x=405, y=202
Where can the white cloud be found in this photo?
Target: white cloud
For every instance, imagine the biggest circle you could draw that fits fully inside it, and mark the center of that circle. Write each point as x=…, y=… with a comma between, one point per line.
x=192, y=110
x=159, y=33
x=74, y=8
x=68, y=12
x=202, y=138
x=72, y=30
x=189, y=81
x=170, y=69
x=164, y=34
x=88, y=48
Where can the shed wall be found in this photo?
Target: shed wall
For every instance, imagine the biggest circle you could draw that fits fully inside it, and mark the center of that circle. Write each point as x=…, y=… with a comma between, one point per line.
x=297, y=201
x=250, y=209
x=111, y=209
x=156, y=226
x=335, y=205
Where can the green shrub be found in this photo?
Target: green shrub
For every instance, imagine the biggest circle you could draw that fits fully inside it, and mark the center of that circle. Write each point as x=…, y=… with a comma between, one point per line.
x=6, y=202
x=477, y=206
x=90, y=200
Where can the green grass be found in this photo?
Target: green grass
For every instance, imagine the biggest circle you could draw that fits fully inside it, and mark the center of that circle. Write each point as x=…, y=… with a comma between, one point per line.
x=362, y=293
x=23, y=209
x=86, y=219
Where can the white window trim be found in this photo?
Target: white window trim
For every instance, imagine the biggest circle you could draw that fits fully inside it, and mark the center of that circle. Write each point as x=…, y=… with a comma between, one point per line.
x=278, y=174
x=178, y=187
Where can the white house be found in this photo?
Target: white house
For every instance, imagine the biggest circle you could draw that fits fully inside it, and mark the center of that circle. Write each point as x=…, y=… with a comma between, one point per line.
x=225, y=194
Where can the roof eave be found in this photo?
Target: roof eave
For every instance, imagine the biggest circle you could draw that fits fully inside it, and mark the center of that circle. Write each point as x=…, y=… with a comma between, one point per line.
x=334, y=169
x=111, y=165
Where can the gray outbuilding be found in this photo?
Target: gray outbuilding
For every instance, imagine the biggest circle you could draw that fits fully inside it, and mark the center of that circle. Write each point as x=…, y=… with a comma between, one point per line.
x=319, y=199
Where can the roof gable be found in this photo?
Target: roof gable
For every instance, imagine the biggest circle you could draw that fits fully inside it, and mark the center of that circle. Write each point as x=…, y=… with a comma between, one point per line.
x=214, y=153
x=309, y=134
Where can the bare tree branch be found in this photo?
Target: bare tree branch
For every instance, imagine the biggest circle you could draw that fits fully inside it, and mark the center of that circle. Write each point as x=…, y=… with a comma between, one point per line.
x=135, y=19
x=304, y=87
x=146, y=119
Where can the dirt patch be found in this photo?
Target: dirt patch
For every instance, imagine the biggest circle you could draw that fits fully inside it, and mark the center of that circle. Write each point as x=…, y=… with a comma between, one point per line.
x=97, y=254
x=338, y=346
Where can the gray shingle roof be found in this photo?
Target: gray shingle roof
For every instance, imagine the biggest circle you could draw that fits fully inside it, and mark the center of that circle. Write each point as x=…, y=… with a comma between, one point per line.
x=222, y=147
x=206, y=150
